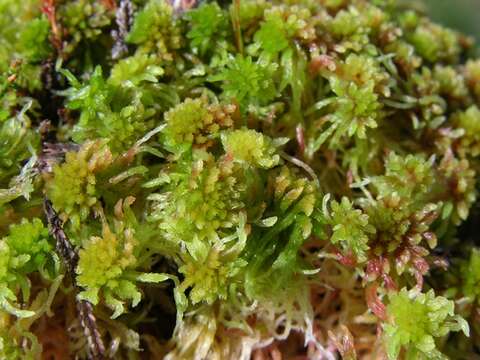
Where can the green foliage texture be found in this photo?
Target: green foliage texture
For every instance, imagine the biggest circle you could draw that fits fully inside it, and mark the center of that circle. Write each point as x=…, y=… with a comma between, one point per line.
x=241, y=180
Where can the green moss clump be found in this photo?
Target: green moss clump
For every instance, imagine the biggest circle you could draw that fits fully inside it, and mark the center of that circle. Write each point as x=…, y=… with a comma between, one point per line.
x=236, y=180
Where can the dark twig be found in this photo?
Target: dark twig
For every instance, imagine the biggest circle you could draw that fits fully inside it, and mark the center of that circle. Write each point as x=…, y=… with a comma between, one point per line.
x=124, y=20
x=70, y=258
x=53, y=153
x=64, y=246
x=90, y=329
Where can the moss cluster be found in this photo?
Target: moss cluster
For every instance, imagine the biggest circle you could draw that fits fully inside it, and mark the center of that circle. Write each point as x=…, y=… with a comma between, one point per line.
x=240, y=180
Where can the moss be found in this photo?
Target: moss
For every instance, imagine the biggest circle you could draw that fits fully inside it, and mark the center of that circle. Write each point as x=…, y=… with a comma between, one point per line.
x=240, y=181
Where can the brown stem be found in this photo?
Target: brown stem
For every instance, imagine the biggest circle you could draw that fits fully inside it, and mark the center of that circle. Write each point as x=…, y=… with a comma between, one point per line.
x=50, y=11
x=65, y=249
x=124, y=20
x=236, y=25
x=109, y=4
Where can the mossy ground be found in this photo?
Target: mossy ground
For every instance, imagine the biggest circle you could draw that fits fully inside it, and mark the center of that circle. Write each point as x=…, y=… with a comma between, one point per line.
x=235, y=180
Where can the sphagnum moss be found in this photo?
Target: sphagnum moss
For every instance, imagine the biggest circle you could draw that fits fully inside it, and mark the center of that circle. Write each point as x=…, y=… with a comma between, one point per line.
x=232, y=181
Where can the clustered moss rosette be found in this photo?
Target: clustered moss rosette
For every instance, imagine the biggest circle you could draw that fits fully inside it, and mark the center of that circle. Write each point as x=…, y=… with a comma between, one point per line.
x=253, y=179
